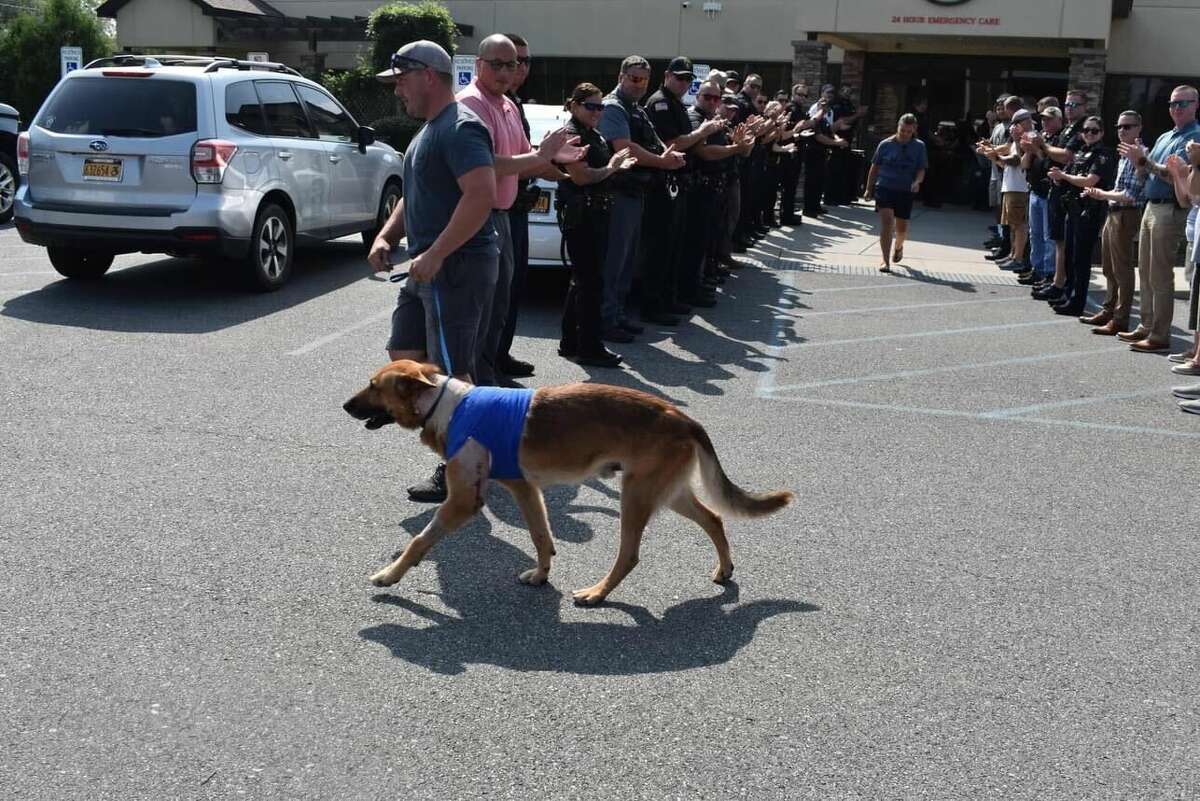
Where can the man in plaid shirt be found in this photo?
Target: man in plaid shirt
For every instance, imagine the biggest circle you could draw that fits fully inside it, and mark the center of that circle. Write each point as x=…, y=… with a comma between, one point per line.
x=1125, y=204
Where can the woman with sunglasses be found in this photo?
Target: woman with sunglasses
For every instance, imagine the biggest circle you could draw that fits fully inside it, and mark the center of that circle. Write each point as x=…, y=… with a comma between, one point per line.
x=1094, y=165
x=583, y=215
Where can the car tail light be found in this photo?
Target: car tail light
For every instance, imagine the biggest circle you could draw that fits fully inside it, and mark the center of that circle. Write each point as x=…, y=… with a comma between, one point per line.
x=23, y=153
x=210, y=157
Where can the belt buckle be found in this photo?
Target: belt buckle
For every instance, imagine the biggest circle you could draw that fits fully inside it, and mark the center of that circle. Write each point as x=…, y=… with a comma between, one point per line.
x=672, y=190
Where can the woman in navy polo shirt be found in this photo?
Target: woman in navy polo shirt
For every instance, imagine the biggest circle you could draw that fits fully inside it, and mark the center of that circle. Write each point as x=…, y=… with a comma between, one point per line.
x=895, y=178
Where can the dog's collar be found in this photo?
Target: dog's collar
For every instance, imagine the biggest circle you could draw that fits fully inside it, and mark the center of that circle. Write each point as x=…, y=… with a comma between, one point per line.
x=436, y=401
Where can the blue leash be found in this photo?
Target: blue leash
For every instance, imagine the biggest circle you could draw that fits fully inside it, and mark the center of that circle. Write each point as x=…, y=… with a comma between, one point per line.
x=396, y=278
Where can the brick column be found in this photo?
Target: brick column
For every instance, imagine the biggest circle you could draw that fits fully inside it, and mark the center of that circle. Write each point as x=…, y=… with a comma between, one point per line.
x=808, y=64
x=1087, y=72
x=853, y=64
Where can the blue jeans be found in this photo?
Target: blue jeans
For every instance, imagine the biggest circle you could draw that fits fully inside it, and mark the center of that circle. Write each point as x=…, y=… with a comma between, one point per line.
x=1041, y=246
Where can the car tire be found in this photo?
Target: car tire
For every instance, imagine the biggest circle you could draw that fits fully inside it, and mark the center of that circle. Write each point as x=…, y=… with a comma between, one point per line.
x=387, y=204
x=10, y=179
x=82, y=264
x=272, y=247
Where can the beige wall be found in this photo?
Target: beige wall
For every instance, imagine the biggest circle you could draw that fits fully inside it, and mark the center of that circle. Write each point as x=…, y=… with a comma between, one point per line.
x=1160, y=37
x=164, y=23
x=747, y=30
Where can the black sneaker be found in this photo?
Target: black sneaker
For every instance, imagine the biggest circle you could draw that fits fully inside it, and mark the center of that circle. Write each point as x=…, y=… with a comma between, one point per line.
x=1027, y=279
x=432, y=489
x=515, y=367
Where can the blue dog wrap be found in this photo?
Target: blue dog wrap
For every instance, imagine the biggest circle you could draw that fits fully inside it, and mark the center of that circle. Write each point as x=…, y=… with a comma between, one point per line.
x=495, y=418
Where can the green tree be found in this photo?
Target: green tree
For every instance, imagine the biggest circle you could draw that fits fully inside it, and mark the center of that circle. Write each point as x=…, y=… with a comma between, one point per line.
x=29, y=45
x=393, y=26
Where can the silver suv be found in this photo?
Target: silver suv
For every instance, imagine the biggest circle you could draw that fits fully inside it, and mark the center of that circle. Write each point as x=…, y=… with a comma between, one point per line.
x=200, y=156
x=10, y=122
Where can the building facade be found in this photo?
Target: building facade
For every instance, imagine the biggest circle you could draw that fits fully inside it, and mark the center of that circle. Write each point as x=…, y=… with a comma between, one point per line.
x=957, y=53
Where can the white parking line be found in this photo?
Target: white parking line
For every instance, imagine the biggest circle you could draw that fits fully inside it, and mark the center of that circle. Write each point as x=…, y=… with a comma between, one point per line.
x=906, y=284
x=31, y=272
x=917, y=335
x=911, y=306
x=325, y=340
x=1022, y=411
x=1077, y=424
x=947, y=369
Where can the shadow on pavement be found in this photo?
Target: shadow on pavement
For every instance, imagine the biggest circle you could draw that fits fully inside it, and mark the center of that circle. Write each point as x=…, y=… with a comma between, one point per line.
x=185, y=296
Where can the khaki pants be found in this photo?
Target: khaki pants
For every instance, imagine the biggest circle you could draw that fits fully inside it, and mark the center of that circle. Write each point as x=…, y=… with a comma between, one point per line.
x=1162, y=226
x=1116, y=251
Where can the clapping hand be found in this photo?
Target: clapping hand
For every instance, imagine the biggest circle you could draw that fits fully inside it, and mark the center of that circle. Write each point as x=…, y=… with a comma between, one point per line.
x=622, y=160
x=560, y=146
x=674, y=159
x=1193, y=153
x=1176, y=165
x=1055, y=174
x=1135, y=152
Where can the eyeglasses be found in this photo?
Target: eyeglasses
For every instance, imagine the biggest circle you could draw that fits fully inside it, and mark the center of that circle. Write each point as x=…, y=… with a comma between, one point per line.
x=1127, y=125
x=1180, y=103
x=636, y=79
x=591, y=105
x=524, y=60
x=1093, y=131
x=498, y=65
x=1072, y=104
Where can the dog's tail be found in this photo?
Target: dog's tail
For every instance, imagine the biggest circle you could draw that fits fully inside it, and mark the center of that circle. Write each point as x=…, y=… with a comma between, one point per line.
x=729, y=497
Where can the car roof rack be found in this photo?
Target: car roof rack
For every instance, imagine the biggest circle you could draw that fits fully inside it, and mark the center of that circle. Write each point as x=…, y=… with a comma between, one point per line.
x=210, y=63
x=238, y=64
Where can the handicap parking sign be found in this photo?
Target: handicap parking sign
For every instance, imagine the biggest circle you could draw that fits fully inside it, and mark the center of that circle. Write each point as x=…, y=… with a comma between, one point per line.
x=464, y=71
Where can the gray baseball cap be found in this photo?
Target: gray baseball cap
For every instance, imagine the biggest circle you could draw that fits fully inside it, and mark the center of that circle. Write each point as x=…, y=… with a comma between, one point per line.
x=419, y=55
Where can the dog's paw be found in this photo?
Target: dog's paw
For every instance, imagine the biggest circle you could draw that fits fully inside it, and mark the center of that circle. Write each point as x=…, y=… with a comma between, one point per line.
x=592, y=596
x=534, y=577
x=721, y=575
x=382, y=579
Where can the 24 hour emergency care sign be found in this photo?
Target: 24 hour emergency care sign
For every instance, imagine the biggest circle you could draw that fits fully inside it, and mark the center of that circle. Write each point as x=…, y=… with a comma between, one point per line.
x=1055, y=19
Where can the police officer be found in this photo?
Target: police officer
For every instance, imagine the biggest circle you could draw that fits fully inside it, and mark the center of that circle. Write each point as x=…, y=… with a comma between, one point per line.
x=1094, y=164
x=796, y=112
x=840, y=184
x=705, y=205
x=822, y=140
x=584, y=200
x=624, y=124
x=668, y=209
x=747, y=232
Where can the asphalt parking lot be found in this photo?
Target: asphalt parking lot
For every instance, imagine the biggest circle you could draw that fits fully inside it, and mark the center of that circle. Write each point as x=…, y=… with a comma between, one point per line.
x=986, y=587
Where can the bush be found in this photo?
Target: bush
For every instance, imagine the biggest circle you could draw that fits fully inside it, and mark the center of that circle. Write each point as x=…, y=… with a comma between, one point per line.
x=397, y=131
x=29, y=63
x=393, y=26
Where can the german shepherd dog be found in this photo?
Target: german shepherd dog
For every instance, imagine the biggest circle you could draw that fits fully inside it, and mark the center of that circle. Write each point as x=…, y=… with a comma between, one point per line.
x=571, y=433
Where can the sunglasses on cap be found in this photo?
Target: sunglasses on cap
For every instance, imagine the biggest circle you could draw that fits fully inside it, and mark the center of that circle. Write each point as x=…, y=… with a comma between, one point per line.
x=592, y=105
x=402, y=64
x=1180, y=103
x=1093, y=131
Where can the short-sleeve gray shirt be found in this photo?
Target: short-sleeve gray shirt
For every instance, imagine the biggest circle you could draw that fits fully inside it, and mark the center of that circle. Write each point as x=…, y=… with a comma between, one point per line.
x=447, y=147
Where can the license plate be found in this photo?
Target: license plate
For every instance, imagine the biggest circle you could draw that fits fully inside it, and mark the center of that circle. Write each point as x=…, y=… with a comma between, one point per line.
x=543, y=204
x=102, y=170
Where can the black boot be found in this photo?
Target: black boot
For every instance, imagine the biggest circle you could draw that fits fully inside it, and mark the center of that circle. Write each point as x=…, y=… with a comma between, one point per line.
x=432, y=489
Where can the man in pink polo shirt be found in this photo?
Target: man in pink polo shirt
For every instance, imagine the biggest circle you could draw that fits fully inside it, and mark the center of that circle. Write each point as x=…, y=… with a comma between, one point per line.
x=495, y=70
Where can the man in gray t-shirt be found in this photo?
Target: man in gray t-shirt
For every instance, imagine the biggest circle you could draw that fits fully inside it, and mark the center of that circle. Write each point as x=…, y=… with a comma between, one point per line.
x=449, y=194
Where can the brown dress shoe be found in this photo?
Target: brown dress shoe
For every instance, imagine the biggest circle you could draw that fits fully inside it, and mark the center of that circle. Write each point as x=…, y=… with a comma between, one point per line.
x=1136, y=335
x=1150, y=346
x=1109, y=329
x=1100, y=318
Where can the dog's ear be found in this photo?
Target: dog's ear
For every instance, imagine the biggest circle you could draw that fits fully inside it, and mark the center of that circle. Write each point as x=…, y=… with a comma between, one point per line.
x=427, y=372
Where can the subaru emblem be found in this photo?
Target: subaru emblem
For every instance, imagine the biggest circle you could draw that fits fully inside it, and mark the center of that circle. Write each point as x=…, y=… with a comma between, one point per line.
x=99, y=145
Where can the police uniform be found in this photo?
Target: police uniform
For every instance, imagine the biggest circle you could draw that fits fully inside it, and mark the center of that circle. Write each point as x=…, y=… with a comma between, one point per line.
x=705, y=205
x=1085, y=218
x=747, y=170
x=792, y=164
x=666, y=217
x=629, y=191
x=1056, y=210
x=583, y=218
x=815, y=156
x=839, y=181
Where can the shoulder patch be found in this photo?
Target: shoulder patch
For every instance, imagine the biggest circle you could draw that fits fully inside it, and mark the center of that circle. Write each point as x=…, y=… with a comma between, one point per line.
x=661, y=106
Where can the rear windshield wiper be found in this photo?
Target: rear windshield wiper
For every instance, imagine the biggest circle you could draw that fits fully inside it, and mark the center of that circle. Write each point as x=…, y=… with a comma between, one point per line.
x=131, y=132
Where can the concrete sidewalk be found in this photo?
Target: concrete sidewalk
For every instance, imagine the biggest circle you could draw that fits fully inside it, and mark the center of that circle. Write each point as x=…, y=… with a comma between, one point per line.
x=943, y=244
